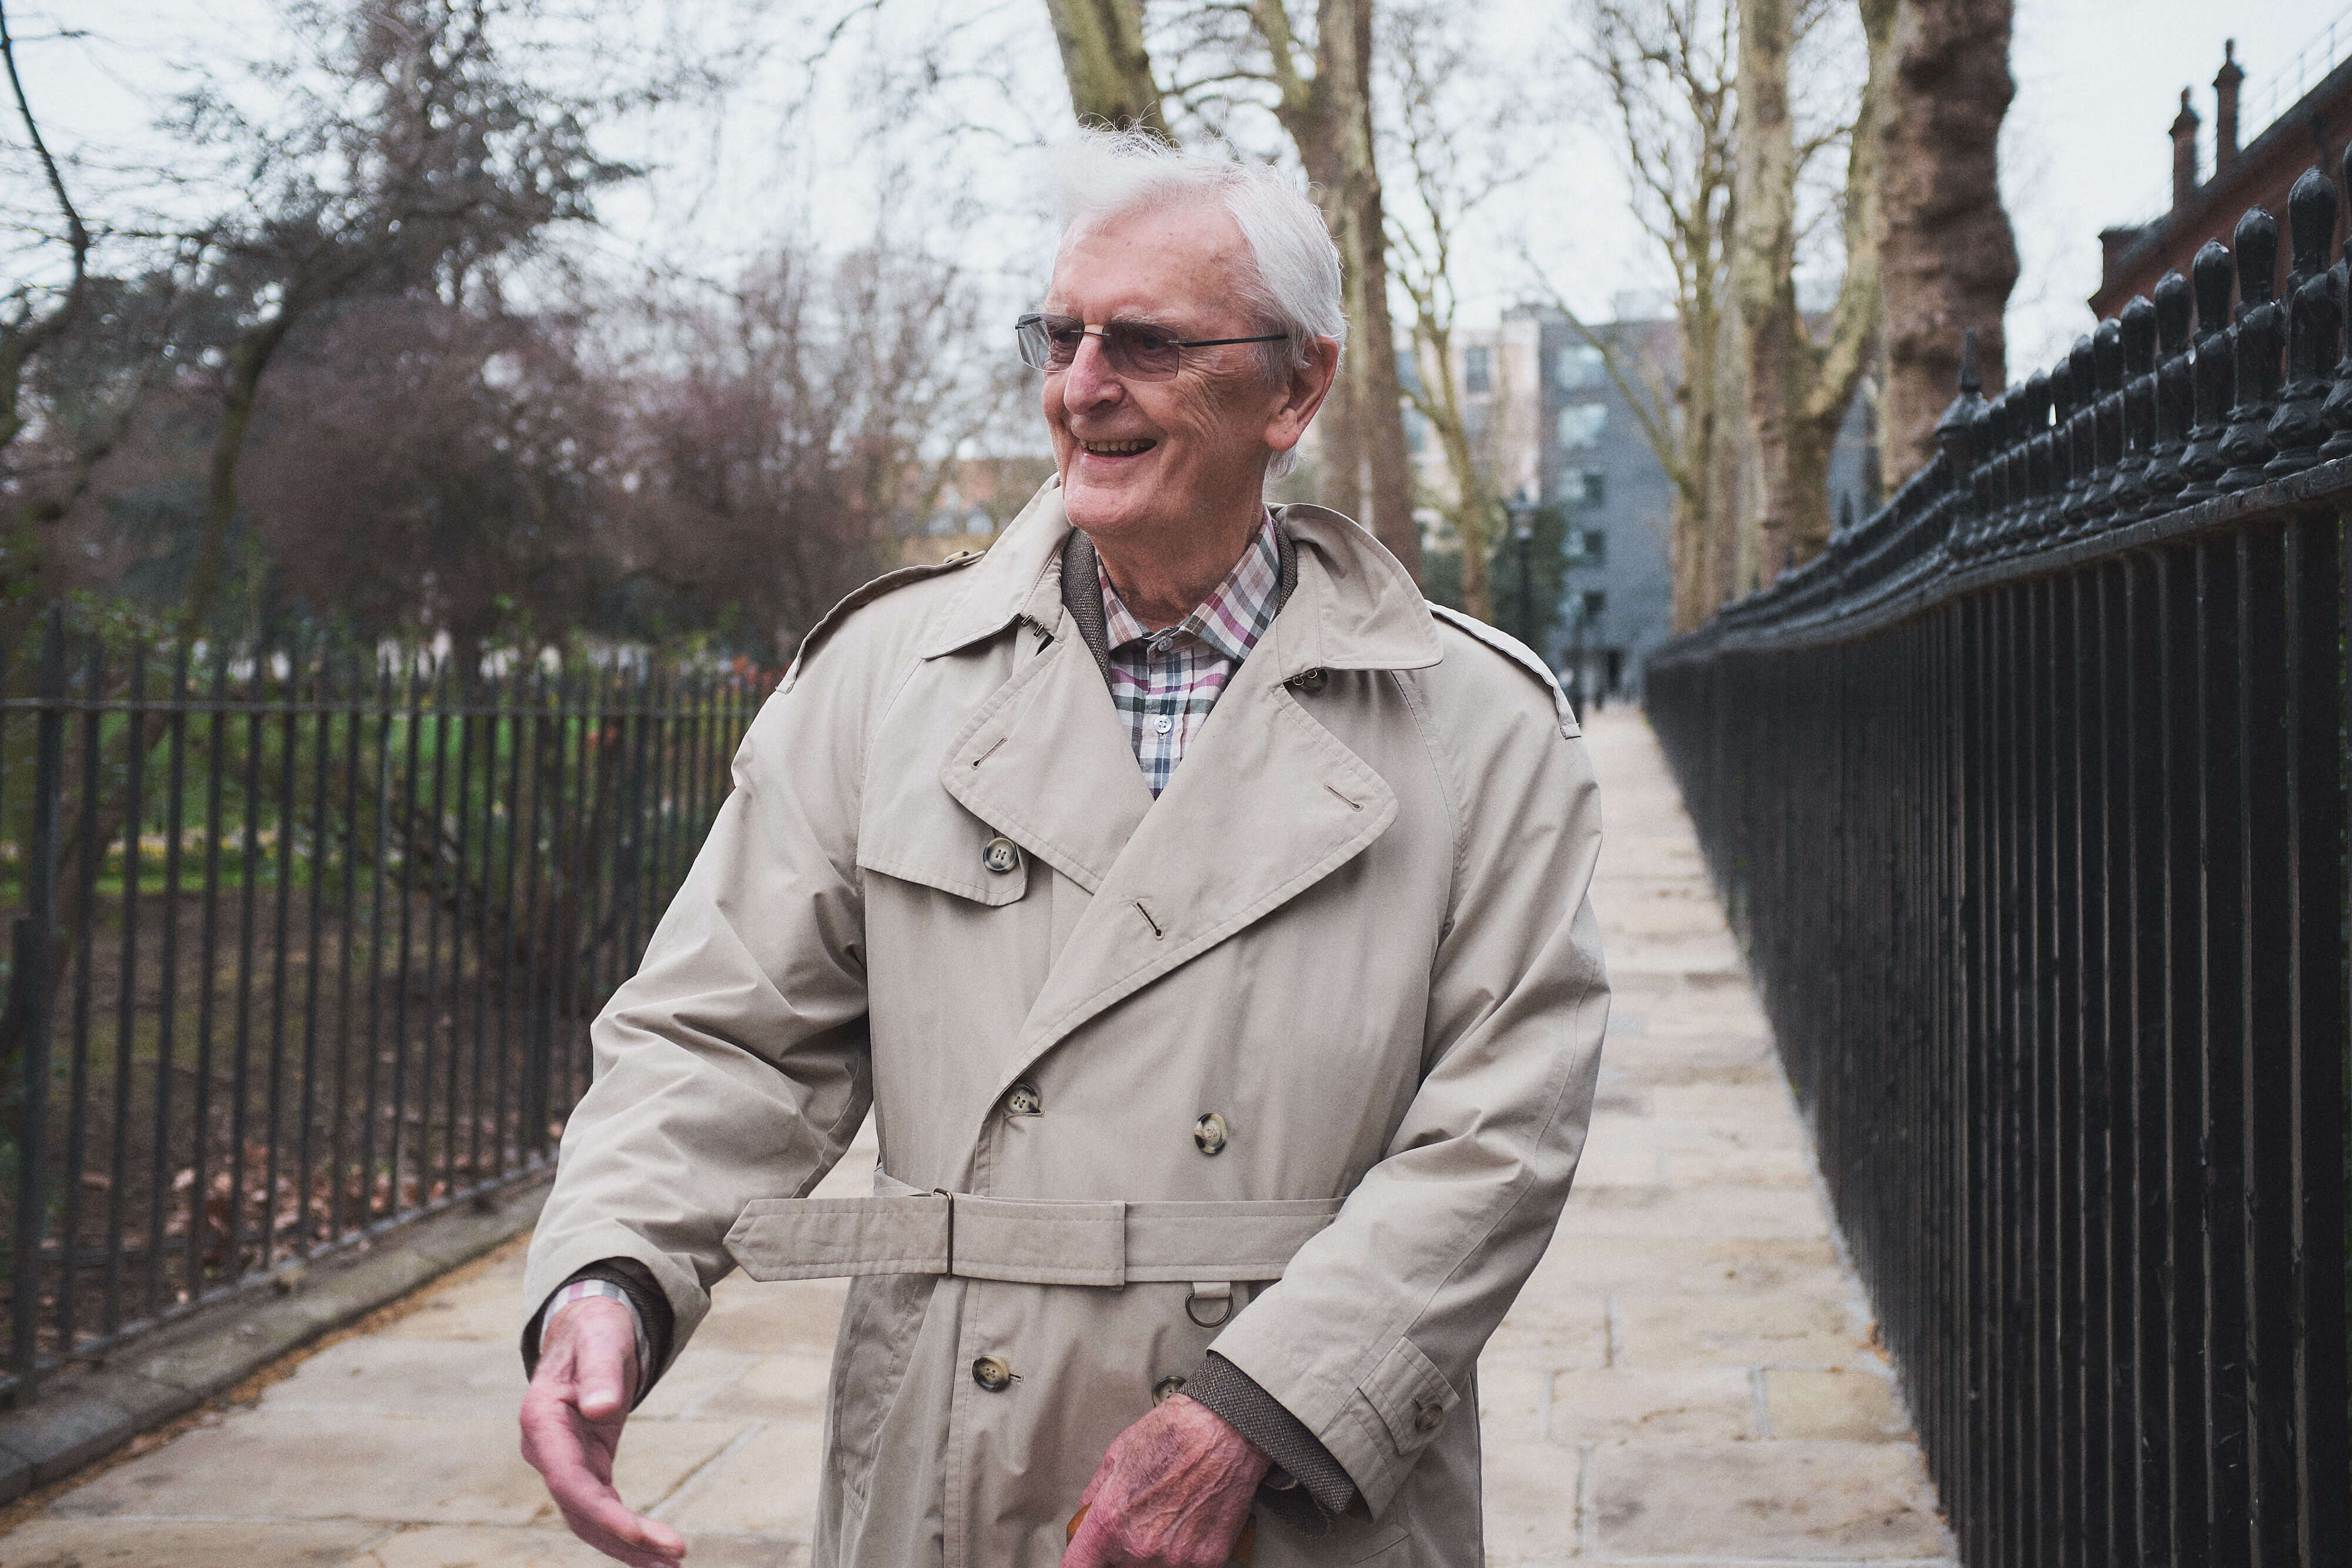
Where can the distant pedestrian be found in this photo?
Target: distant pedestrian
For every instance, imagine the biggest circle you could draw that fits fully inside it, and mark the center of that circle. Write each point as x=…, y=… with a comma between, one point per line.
x=1201, y=914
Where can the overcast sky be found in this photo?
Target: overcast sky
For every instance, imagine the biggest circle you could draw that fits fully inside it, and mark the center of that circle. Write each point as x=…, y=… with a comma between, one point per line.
x=2085, y=145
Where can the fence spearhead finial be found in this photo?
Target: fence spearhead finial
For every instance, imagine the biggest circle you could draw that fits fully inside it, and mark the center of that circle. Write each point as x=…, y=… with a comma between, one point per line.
x=2256, y=243
x=2209, y=273
x=1955, y=429
x=2311, y=220
x=2108, y=357
x=2138, y=326
x=2173, y=305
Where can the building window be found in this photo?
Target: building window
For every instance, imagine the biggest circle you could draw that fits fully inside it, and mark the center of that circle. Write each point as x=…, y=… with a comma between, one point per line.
x=1596, y=603
x=1583, y=487
x=1578, y=365
x=1588, y=546
x=1478, y=370
x=1581, y=424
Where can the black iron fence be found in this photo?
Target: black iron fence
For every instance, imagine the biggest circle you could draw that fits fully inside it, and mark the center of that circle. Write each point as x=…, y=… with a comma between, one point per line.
x=2028, y=798
x=305, y=943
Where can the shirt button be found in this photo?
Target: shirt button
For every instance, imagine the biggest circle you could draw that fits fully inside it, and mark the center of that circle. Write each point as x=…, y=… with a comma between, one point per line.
x=1166, y=1389
x=1022, y=1100
x=1209, y=1134
x=1429, y=1418
x=1163, y=723
x=1160, y=645
x=992, y=1374
x=1000, y=855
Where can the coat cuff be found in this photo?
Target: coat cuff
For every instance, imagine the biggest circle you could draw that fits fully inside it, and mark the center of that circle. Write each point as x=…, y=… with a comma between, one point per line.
x=654, y=1317
x=1235, y=1396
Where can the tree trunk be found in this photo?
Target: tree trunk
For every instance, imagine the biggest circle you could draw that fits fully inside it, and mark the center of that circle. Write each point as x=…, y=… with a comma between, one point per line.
x=249, y=358
x=1331, y=122
x=1798, y=389
x=1947, y=258
x=1106, y=63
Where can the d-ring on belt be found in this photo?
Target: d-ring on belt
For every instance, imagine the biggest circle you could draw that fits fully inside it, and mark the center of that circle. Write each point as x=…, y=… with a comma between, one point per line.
x=904, y=1230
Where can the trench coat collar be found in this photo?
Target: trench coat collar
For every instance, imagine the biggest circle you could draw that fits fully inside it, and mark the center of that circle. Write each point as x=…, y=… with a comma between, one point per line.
x=1268, y=803
x=1355, y=607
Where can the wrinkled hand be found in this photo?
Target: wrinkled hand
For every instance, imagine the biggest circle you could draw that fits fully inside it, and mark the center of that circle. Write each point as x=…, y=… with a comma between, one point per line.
x=1173, y=1492
x=572, y=1419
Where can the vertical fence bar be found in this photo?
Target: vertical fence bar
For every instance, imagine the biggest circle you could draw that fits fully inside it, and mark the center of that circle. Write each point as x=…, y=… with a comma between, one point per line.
x=159, y=1194
x=281, y=936
x=30, y=998
x=126, y=1023
x=87, y=849
x=320, y=860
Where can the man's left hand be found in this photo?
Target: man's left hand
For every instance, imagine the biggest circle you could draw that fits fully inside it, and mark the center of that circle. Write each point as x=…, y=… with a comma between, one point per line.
x=1173, y=1492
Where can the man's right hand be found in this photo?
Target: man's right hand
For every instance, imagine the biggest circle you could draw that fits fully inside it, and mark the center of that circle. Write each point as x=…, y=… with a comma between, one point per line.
x=572, y=1419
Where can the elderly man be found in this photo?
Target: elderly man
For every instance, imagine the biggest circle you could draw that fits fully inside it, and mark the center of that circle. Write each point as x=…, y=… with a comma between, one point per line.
x=1203, y=917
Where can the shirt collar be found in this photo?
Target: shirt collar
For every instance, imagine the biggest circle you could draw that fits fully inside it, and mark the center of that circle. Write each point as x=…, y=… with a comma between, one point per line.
x=1230, y=621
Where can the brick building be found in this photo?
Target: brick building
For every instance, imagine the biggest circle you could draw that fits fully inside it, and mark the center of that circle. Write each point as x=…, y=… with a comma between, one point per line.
x=2311, y=129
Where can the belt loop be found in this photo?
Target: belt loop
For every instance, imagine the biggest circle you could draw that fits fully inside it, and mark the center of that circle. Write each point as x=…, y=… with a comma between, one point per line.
x=942, y=1192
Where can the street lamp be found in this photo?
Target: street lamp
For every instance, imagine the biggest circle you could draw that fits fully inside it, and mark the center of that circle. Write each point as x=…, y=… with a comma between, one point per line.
x=1523, y=534
x=1576, y=646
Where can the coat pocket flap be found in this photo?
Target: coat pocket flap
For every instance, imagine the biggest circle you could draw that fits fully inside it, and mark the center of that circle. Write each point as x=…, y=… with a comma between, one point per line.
x=1411, y=1396
x=834, y=1238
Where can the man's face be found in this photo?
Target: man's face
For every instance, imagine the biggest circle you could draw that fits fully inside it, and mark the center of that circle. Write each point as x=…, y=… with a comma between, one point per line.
x=1139, y=457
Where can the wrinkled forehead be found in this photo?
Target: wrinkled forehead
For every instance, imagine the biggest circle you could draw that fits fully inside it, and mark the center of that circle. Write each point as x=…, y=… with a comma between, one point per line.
x=1182, y=256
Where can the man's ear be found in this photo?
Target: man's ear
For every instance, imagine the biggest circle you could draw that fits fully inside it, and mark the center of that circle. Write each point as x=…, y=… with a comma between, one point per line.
x=1310, y=383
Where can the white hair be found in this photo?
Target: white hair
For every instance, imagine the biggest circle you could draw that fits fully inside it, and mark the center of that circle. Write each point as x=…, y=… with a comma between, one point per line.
x=1294, y=284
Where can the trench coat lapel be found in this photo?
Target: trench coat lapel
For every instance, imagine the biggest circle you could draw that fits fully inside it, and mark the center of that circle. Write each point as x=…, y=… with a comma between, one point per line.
x=1046, y=762
x=1268, y=803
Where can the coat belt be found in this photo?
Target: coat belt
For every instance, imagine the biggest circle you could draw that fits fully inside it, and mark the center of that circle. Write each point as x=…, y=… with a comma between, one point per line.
x=903, y=1230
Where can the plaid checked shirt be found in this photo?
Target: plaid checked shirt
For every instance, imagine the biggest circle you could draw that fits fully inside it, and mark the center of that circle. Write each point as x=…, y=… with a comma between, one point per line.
x=1164, y=682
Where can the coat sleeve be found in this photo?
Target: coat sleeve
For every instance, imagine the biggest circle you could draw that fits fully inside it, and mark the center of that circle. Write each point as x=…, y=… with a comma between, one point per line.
x=733, y=1065
x=1372, y=1335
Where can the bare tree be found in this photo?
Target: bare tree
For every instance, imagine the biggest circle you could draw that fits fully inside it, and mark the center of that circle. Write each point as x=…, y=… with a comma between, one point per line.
x=1456, y=154
x=1667, y=70
x=1947, y=257
x=1797, y=385
x=420, y=164
x=800, y=419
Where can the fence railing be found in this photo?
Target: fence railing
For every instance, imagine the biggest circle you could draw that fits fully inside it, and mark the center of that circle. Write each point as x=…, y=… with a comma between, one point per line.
x=305, y=943
x=2028, y=798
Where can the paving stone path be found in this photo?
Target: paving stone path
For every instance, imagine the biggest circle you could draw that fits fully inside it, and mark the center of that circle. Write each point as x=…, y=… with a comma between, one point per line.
x=1687, y=1379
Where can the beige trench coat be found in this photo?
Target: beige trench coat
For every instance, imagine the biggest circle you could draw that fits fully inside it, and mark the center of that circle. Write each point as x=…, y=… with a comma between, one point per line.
x=1355, y=928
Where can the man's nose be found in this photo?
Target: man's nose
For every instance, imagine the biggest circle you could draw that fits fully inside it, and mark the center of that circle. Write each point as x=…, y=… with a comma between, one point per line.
x=1089, y=380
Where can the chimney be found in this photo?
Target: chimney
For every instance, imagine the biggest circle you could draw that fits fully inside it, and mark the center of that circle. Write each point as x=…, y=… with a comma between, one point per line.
x=2225, y=110
x=2184, y=154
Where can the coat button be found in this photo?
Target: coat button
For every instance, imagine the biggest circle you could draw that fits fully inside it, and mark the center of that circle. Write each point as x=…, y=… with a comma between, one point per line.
x=1166, y=1389
x=992, y=1374
x=1022, y=1100
x=1429, y=1420
x=1310, y=682
x=1209, y=1134
x=1000, y=855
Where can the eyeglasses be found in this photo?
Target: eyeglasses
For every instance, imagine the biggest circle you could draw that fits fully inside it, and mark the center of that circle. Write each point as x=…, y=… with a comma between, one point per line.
x=1136, y=350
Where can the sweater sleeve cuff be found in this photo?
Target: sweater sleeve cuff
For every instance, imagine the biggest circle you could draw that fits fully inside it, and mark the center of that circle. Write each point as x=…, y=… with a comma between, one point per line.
x=654, y=1317
x=1234, y=1396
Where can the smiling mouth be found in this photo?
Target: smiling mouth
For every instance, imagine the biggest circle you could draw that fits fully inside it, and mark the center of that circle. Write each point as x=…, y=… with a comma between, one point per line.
x=1117, y=448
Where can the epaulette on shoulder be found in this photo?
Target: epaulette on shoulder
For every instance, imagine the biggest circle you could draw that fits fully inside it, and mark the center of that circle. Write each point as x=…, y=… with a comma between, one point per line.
x=1518, y=653
x=889, y=583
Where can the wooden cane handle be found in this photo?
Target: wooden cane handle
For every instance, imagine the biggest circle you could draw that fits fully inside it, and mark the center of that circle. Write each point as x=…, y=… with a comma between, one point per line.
x=1242, y=1546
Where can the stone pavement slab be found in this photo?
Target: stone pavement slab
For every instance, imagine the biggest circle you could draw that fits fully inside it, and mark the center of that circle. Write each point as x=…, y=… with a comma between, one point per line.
x=1688, y=1377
